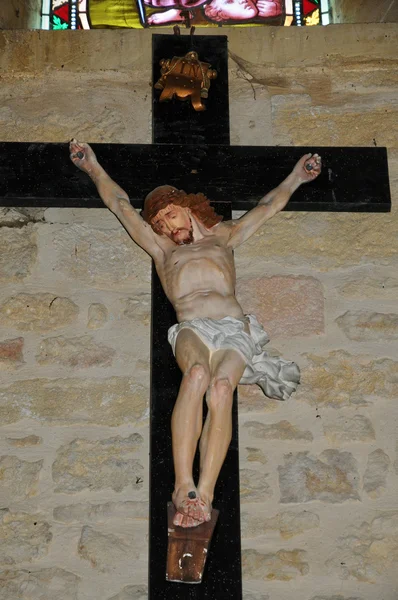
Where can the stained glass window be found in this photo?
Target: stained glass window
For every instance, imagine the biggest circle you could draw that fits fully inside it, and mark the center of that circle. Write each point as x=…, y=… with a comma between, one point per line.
x=99, y=14
x=65, y=14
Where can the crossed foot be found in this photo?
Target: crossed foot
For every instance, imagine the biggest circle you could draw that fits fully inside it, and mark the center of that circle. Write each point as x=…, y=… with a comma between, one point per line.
x=192, y=507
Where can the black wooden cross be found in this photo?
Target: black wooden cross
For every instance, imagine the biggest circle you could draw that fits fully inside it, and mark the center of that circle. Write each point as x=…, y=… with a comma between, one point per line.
x=191, y=151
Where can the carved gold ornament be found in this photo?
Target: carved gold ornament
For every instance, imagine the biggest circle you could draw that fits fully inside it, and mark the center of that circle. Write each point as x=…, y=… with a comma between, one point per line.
x=185, y=77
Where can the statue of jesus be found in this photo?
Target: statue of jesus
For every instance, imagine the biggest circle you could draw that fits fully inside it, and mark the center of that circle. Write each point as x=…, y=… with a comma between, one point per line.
x=215, y=344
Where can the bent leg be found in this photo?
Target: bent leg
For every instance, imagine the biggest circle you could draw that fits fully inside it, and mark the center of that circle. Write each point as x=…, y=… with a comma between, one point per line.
x=186, y=425
x=226, y=367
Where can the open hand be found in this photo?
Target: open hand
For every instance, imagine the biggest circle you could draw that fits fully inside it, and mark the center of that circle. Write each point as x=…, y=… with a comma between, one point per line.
x=308, y=167
x=82, y=156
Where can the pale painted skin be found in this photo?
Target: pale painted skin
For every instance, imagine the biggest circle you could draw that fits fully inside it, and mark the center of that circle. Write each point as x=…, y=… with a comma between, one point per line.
x=235, y=10
x=198, y=277
x=167, y=16
x=268, y=8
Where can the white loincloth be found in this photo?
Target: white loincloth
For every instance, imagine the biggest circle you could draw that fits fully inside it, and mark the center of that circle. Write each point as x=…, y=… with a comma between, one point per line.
x=277, y=377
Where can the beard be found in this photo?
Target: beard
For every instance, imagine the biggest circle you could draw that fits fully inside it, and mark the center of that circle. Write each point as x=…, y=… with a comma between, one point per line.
x=187, y=239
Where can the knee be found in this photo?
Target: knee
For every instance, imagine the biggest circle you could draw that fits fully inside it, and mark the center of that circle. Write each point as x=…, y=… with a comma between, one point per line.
x=221, y=392
x=198, y=376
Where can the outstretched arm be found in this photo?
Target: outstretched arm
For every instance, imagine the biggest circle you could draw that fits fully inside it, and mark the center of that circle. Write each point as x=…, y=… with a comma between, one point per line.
x=307, y=169
x=114, y=197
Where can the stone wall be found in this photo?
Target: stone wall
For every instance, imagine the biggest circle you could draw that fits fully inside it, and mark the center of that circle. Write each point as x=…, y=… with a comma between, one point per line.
x=319, y=474
x=20, y=14
x=364, y=11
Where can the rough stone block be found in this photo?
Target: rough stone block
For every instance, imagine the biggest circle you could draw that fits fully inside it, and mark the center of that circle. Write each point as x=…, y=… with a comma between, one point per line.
x=137, y=308
x=25, y=442
x=44, y=584
x=255, y=455
x=375, y=478
x=37, y=312
x=322, y=241
x=18, y=253
x=396, y=461
x=369, y=550
x=85, y=464
x=255, y=596
x=11, y=352
x=97, y=316
x=109, y=402
x=20, y=217
x=352, y=119
x=368, y=326
x=333, y=477
x=103, y=550
x=253, y=486
x=23, y=537
x=356, y=428
x=335, y=597
x=132, y=592
x=18, y=479
x=286, y=306
x=96, y=218
x=76, y=352
x=362, y=286
x=100, y=117
x=288, y=523
x=292, y=523
x=250, y=122
x=94, y=513
x=283, y=430
x=252, y=399
x=101, y=258
x=283, y=565
x=340, y=379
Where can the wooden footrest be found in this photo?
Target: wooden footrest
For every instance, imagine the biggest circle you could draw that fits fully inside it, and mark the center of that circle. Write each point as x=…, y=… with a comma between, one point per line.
x=188, y=548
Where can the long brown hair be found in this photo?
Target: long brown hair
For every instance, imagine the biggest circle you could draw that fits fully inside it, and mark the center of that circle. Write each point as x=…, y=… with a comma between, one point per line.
x=164, y=195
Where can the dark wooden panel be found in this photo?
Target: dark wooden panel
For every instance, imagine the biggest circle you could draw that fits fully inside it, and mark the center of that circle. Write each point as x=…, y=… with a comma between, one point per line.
x=222, y=577
x=353, y=179
x=176, y=122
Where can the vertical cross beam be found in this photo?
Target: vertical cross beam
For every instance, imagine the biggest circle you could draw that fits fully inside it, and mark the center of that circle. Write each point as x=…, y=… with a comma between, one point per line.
x=176, y=122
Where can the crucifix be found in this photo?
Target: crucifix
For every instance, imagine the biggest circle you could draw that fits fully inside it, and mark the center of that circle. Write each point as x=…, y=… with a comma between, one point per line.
x=191, y=151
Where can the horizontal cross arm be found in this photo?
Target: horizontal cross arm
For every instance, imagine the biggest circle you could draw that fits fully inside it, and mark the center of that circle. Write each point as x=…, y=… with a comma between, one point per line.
x=41, y=174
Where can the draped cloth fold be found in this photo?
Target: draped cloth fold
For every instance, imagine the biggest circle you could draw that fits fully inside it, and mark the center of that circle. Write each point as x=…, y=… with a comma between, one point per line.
x=278, y=378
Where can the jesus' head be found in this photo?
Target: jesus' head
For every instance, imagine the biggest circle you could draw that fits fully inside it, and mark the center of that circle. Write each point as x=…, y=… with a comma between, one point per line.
x=169, y=212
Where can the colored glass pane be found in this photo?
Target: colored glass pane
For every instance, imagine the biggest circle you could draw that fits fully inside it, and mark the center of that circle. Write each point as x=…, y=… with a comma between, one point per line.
x=62, y=12
x=129, y=13
x=65, y=14
x=309, y=6
x=57, y=23
x=313, y=18
x=78, y=14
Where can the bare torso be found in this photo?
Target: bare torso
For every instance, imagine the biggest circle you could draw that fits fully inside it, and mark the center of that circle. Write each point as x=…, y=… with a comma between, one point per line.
x=199, y=278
